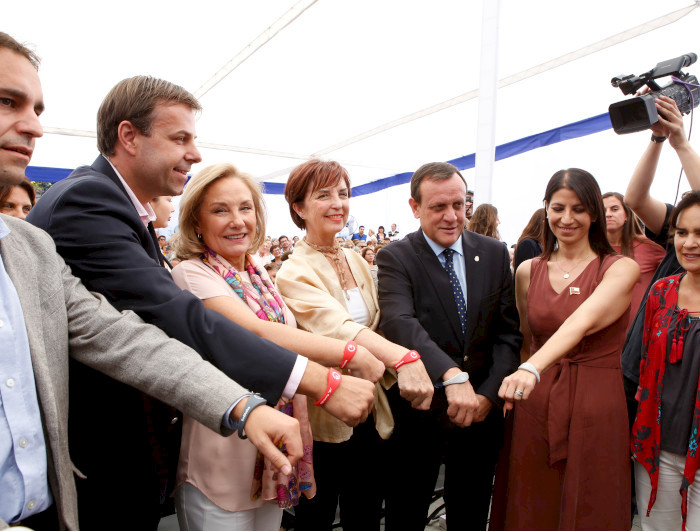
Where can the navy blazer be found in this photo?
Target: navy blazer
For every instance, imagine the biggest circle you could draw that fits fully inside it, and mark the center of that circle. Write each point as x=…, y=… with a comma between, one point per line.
x=418, y=310
x=102, y=238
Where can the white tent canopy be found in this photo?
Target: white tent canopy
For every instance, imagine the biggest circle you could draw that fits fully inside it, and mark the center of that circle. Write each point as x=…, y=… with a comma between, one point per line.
x=316, y=77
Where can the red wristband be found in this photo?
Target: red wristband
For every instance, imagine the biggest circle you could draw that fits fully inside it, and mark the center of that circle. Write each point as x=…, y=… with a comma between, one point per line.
x=350, y=350
x=409, y=357
x=333, y=383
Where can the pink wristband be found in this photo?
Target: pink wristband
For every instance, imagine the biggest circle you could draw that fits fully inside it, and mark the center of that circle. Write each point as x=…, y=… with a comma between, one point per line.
x=334, y=377
x=348, y=353
x=411, y=356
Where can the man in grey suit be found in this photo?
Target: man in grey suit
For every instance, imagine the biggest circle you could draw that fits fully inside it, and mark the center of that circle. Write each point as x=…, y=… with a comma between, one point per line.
x=46, y=314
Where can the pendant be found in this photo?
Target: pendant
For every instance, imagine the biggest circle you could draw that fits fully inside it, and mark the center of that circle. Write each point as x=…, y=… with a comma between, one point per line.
x=566, y=276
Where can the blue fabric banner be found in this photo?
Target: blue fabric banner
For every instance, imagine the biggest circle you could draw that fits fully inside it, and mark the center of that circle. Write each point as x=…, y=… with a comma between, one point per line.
x=46, y=174
x=574, y=130
x=570, y=131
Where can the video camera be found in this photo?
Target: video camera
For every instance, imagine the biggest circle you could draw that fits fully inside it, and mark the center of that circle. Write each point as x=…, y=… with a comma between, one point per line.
x=639, y=113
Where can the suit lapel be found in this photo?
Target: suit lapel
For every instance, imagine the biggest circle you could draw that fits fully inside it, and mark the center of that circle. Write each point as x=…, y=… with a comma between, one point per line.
x=154, y=238
x=437, y=276
x=475, y=280
x=102, y=166
x=26, y=279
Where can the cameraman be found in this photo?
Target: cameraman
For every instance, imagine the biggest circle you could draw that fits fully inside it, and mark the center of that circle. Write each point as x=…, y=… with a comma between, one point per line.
x=655, y=215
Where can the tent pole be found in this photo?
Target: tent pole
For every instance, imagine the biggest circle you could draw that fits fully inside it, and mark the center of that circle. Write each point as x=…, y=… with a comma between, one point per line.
x=488, y=91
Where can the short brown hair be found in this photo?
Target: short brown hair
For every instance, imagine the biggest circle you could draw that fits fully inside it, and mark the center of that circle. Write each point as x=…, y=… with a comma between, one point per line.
x=22, y=49
x=185, y=241
x=133, y=100
x=366, y=250
x=433, y=171
x=5, y=190
x=309, y=177
x=689, y=199
x=273, y=266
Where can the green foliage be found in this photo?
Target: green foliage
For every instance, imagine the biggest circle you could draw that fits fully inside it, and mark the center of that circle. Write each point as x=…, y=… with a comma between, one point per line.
x=40, y=187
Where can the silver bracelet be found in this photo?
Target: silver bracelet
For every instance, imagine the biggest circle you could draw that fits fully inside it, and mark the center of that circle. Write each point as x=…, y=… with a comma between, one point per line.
x=457, y=379
x=532, y=369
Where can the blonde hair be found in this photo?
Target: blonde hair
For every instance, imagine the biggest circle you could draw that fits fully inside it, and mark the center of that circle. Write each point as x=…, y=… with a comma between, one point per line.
x=185, y=242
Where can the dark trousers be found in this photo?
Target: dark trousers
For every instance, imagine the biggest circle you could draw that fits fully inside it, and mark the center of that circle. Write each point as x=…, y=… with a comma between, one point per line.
x=420, y=442
x=349, y=474
x=127, y=459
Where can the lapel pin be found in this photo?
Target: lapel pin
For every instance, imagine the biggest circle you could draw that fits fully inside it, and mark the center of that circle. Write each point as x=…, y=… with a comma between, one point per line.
x=476, y=258
x=574, y=290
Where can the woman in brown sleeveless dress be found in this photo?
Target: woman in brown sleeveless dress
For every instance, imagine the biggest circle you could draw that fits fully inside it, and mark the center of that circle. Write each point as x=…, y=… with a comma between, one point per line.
x=569, y=463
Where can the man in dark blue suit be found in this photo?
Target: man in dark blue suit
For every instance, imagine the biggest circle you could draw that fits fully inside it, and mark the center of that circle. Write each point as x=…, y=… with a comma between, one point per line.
x=447, y=293
x=101, y=222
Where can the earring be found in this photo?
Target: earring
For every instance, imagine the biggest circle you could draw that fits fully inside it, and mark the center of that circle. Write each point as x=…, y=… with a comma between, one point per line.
x=199, y=236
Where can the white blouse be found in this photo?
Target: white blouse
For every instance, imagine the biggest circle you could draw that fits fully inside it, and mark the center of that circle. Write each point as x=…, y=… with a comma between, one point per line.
x=357, y=307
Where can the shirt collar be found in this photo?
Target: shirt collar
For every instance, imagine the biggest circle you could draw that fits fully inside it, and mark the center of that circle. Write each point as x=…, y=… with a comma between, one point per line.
x=437, y=248
x=146, y=212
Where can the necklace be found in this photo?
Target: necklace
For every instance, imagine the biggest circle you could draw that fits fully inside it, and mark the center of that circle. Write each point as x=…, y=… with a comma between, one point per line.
x=335, y=254
x=568, y=274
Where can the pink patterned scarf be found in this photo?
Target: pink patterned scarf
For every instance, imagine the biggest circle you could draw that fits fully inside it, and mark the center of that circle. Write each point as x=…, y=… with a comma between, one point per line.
x=262, y=298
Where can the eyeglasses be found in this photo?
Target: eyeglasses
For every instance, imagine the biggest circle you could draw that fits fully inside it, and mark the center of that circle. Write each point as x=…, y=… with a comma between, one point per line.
x=469, y=199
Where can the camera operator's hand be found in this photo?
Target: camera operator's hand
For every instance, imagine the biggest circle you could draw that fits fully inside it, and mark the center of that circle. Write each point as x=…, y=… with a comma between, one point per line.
x=670, y=124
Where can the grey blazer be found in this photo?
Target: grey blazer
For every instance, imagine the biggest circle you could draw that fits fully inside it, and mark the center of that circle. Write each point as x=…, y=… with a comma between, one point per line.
x=64, y=319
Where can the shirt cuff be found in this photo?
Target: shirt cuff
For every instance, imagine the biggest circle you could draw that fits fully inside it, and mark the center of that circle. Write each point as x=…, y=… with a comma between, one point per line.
x=295, y=378
x=228, y=422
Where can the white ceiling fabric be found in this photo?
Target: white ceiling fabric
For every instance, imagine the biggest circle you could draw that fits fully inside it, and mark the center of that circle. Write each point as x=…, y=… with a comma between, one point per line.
x=333, y=70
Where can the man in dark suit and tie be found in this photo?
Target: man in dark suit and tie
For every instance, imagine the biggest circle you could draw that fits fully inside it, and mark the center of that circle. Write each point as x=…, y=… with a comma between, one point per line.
x=447, y=293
